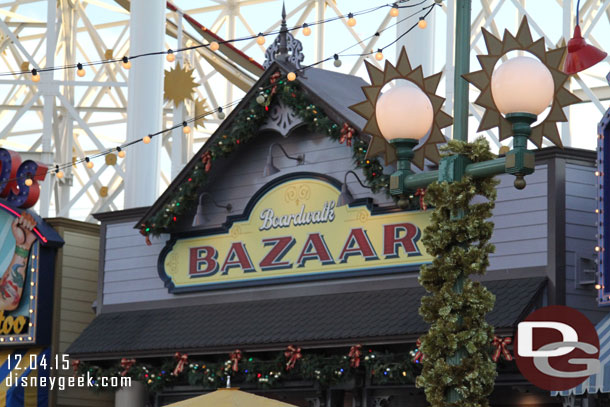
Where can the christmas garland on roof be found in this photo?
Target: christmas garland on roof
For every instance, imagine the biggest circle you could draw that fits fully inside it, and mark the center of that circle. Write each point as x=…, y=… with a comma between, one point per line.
x=244, y=128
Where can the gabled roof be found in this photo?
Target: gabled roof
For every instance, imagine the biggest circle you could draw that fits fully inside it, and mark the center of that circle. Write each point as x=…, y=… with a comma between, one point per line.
x=331, y=91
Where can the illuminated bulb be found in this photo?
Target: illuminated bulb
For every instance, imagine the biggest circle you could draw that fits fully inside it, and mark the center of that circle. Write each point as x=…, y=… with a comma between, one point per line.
x=260, y=40
x=90, y=164
x=394, y=11
x=146, y=139
x=29, y=182
x=597, y=173
x=598, y=286
x=306, y=30
x=291, y=76
x=221, y=115
x=597, y=211
x=185, y=128
x=59, y=174
x=597, y=248
x=351, y=21
x=214, y=46
x=422, y=23
x=379, y=55
x=79, y=70
x=126, y=62
x=35, y=76
x=170, y=56
x=121, y=152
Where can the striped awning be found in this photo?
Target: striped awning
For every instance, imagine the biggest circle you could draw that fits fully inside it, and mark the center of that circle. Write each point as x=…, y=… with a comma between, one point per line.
x=600, y=381
x=17, y=365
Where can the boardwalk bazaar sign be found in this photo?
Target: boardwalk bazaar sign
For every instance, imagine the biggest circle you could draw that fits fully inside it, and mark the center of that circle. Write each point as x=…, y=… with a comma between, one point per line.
x=293, y=230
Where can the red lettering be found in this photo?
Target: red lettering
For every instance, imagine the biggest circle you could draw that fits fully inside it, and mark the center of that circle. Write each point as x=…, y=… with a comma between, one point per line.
x=392, y=240
x=315, y=248
x=358, y=243
x=237, y=257
x=273, y=259
x=203, y=261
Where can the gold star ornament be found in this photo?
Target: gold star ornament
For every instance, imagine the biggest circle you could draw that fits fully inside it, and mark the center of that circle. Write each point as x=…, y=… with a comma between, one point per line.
x=201, y=111
x=179, y=84
x=367, y=109
x=552, y=59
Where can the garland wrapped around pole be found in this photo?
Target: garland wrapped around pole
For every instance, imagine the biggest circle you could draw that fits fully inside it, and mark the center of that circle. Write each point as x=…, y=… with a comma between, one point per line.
x=457, y=370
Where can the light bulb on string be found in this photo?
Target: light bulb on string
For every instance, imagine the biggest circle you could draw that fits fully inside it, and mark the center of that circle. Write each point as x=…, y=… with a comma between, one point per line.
x=35, y=75
x=221, y=115
x=185, y=128
x=89, y=162
x=126, y=62
x=121, y=152
x=214, y=46
x=291, y=76
x=351, y=21
x=146, y=139
x=260, y=40
x=29, y=182
x=422, y=23
x=306, y=30
x=260, y=99
x=379, y=54
x=337, y=61
x=79, y=70
x=394, y=10
x=170, y=56
x=59, y=174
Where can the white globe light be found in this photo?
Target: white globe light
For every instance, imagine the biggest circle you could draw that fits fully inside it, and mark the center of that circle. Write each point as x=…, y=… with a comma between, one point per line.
x=404, y=112
x=522, y=85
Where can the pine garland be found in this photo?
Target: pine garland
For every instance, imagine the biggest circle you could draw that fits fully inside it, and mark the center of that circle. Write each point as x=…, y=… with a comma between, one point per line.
x=244, y=128
x=458, y=239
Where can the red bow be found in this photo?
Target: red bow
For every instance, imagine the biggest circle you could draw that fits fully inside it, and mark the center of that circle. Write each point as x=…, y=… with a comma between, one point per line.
x=292, y=354
x=75, y=365
x=126, y=364
x=206, y=159
x=235, y=358
x=347, y=133
x=501, y=347
x=355, y=352
x=419, y=355
x=143, y=233
x=274, y=78
x=182, y=361
x=421, y=192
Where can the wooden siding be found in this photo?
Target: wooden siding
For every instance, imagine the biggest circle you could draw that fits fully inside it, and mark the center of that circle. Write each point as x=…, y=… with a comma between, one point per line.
x=131, y=267
x=580, y=237
x=76, y=290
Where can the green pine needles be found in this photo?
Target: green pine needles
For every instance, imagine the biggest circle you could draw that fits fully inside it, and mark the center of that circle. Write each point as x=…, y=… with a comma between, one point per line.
x=458, y=370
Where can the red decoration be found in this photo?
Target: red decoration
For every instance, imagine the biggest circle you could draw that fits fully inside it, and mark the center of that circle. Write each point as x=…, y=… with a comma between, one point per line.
x=347, y=133
x=355, y=353
x=143, y=233
x=292, y=354
x=235, y=358
x=75, y=365
x=182, y=359
x=500, y=345
x=580, y=54
x=273, y=80
x=126, y=364
x=206, y=159
x=421, y=192
x=419, y=355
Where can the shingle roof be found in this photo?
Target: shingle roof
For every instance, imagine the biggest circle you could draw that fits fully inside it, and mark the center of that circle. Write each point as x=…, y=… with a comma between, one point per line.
x=347, y=317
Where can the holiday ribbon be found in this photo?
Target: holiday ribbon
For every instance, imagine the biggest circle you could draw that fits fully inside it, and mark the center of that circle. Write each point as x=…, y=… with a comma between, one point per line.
x=235, y=358
x=273, y=81
x=75, y=365
x=355, y=353
x=421, y=192
x=182, y=361
x=347, y=133
x=126, y=364
x=500, y=345
x=206, y=159
x=143, y=233
x=292, y=354
x=419, y=356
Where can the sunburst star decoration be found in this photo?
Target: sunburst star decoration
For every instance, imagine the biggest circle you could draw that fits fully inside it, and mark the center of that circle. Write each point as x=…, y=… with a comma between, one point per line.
x=201, y=110
x=379, y=145
x=179, y=85
x=551, y=59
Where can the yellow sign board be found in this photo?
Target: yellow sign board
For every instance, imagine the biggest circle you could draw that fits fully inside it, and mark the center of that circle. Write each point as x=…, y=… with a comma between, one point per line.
x=293, y=230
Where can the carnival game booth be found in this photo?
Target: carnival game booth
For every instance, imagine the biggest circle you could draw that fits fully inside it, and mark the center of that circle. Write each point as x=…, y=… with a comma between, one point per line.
x=28, y=247
x=267, y=260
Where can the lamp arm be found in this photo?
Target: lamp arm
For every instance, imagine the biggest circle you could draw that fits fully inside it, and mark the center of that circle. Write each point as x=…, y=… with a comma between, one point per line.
x=228, y=207
x=357, y=179
x=298, y=158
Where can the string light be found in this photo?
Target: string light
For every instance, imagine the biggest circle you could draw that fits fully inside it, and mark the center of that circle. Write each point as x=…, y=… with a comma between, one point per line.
x=146, y=139
x=121, y=152
x=79, y=70
x=597, y=173
x=598, y=286
x=379, y=54
x=89, y=162
x=306, y=30
x=291, y=76
x=260, y=99
x=126, y=62
x=422, y=23
x=58, y=173
x=35, y=75
x=214, y=46
x=260, y=40
x=337, y=62
x=29, y=182
x=394, y=10
x=170, y=56
x=185, y=128
x=221, y=115
x=351, y=21
x=598, y=249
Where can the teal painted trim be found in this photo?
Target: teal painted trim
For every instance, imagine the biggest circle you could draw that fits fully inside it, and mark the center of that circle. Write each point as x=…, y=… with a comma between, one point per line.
x=476, y=170
x=462, y=66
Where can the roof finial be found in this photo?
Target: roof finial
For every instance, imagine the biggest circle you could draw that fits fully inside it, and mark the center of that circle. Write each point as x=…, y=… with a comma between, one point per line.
x=283, y=51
